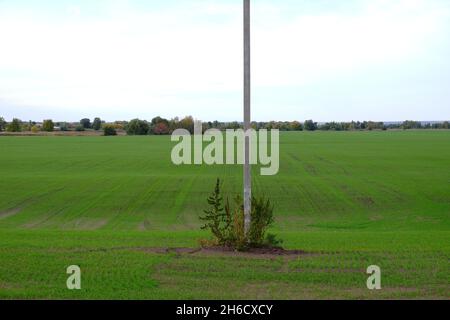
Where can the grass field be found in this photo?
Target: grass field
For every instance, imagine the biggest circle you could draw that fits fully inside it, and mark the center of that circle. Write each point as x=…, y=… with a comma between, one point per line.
x=349, y=199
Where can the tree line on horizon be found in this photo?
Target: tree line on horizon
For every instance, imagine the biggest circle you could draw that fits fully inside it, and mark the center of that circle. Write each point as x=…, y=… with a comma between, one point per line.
x=162, y=126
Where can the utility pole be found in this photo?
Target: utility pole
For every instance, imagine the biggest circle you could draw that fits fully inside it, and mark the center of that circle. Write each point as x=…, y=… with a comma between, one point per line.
x=247, y=119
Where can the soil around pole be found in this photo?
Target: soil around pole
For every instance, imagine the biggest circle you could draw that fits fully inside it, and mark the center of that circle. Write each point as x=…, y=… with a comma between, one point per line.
x=228, y=251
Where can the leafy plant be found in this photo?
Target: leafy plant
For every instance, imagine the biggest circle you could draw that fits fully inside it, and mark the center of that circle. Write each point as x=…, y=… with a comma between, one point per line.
x=216, y=218
x=237, y=237
x=261, y=220
x=227, y=222
x=272, y=240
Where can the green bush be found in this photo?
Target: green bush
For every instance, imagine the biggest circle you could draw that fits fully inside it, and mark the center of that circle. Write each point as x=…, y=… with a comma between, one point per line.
x=236, y=235
x=80, y=128
x=226, y=222
x=272, y=240
x=262, y=219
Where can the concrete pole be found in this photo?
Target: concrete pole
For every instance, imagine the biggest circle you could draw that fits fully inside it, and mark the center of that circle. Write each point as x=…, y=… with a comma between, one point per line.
x=247, y=118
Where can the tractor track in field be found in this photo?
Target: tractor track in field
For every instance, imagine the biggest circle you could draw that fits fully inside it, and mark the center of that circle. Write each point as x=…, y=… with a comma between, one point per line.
x=16, y=210
x=10, y=212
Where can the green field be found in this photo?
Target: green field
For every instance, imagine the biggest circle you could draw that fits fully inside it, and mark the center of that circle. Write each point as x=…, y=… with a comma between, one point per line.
x=349, y=199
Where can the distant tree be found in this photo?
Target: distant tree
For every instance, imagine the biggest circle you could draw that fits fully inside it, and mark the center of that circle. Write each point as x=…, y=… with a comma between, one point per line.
x=86, y=123
x=35, y=129
x=137, y=127
x=409, y=124
x=334, y=126
x=271, y=125
x=445, y=125
x=26, y=126
x=2, y=124
x=296, y=126
x=109, y=130
x=284, y=126
x=80, y=128
x=48, y=126
x=160, y=126
x=161, y=129
x=234, y=125
x=310, y=125
x=14, y=126
x=187, y=123
x=174, y=124
x=97, y=124
x=376, y=125
x=120, y=124
x=158, y=120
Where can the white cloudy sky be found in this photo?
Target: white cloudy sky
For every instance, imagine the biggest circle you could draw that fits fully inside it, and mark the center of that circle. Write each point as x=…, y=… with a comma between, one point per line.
x=321, y=59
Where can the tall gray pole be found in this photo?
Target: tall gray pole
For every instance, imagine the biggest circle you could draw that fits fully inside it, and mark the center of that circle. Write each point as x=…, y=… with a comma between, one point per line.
x=247, y=118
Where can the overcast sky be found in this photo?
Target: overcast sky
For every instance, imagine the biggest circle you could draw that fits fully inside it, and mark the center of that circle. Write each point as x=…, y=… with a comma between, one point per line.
x=321, y=59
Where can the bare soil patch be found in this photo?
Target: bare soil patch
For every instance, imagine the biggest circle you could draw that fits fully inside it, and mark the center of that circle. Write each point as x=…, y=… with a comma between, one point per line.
x=226, y=251
x=257, y=251
x=9, y=213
